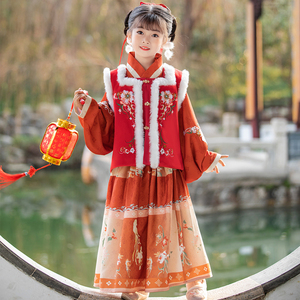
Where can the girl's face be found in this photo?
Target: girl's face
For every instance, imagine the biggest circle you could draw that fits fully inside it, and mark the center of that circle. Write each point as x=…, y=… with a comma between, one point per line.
x=146, y=43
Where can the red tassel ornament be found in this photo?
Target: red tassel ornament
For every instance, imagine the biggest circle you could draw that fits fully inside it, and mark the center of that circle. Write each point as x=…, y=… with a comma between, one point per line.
x=7, y=179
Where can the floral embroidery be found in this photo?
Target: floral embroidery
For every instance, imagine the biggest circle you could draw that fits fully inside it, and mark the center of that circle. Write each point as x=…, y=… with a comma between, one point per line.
x=135, y=172
x=191, y=130
x=185, y=226
x=162, y=258
x=118, y=264
x=167, y=104
x=184, y=258
x=161, y=238
x=109, y=237
x=194, y=129
x=137, y=255
x=105, y=229
x=126, y=104
x=164, y=150
x=149, y=266
x=129, y=149
x=113, y=236
x=128, y=267
x=107, y=107
x=196, y=239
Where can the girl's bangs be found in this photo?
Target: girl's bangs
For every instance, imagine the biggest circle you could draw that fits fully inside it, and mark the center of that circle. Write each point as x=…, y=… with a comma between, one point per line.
x=150, y=22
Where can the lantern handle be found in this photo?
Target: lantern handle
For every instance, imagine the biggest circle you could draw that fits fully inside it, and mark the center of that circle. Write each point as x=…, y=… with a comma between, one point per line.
x=70, y=112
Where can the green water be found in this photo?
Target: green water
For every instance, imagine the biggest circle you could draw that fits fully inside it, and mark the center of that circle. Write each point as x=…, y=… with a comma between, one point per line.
x=42, y=217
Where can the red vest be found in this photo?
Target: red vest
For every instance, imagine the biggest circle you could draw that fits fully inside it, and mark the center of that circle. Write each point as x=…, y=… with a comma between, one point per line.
x=146, y=117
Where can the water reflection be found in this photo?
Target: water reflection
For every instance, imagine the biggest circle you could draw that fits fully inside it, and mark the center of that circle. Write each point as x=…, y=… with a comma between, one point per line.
x=242, y=243
x=59, y=228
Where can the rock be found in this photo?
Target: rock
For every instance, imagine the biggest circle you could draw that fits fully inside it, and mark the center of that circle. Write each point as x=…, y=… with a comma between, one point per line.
x=48, y=113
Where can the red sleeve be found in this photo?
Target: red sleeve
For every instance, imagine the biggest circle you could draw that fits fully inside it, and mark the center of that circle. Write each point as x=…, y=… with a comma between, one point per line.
x=196, y=157
x=98, y=126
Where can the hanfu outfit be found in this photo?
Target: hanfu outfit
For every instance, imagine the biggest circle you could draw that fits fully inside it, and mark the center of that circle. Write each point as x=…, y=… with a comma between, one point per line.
x=150, y=238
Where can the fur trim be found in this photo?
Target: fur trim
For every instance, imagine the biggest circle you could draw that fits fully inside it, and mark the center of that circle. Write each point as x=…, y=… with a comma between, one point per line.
x=183, y=87
x=108, y=87
x=139, y=123
x=169, y=79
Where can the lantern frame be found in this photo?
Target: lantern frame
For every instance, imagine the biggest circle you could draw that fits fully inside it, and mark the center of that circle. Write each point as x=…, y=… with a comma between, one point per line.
x=64, y=124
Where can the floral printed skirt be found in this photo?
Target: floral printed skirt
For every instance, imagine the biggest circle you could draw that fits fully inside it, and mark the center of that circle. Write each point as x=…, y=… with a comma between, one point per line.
x=150, y=238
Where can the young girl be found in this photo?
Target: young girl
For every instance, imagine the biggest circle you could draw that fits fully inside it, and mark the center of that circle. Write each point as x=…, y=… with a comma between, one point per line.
x=150, y=238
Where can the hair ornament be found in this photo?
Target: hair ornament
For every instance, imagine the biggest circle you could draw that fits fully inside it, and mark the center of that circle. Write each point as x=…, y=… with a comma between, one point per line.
x=145, y=3
x=128, y=48
x=168, y=46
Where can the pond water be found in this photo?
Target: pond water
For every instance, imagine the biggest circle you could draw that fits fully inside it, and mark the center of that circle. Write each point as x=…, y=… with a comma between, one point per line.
x=55, y=219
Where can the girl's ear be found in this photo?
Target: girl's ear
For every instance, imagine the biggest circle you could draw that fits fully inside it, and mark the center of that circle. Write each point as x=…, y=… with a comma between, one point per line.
x=165, y=40
x=128, y=38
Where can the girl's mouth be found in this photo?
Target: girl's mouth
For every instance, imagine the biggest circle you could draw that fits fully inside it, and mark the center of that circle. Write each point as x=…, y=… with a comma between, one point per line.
x=144, y=48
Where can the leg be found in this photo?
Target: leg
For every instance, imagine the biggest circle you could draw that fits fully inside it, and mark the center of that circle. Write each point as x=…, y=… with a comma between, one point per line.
x=135, y=296
x=196, y=290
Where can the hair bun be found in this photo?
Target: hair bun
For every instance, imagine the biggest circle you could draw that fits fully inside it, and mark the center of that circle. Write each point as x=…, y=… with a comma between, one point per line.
x=174, y=26
x=126, y=26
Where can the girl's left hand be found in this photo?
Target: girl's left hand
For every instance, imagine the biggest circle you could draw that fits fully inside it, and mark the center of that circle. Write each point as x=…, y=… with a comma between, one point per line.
x=216, y=169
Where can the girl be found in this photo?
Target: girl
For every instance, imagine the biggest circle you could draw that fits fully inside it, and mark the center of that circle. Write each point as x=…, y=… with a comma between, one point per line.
x=150, y=238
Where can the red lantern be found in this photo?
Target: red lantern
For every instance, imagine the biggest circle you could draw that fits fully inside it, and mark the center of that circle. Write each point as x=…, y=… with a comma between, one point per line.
x=57, y=145
x=59, y=141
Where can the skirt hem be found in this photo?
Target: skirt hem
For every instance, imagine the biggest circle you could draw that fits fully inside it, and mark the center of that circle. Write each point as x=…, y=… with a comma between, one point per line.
x=150, y=290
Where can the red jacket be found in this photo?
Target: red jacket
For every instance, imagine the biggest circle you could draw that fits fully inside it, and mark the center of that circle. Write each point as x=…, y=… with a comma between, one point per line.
x=146, y=117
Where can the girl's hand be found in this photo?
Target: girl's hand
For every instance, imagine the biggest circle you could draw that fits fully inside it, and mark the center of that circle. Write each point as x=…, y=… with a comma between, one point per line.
x=79, y=99
x=216, y=169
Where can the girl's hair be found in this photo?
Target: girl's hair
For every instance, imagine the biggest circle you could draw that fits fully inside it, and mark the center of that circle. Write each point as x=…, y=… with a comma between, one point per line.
x=151, y=17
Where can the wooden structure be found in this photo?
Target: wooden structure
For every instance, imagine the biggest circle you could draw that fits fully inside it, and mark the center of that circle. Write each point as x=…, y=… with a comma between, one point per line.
x=296, y=62
x=254, y=98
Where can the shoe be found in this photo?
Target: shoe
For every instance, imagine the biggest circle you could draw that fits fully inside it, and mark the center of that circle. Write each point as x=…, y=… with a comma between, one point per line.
x=135, y=296
x=197, y=292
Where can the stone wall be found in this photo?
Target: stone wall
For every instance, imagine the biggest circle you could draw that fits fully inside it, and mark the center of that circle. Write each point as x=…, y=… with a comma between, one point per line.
x=222, y=195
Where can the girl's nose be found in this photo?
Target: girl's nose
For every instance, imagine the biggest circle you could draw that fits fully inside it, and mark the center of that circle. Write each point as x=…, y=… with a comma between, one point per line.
x=146, y=40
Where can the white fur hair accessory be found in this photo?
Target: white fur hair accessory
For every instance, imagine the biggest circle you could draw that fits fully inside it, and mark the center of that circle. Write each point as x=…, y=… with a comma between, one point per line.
x=168, y=46
x=128, y=48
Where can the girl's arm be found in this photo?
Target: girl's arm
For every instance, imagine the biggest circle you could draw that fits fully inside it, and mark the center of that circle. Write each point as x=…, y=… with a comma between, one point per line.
x=97, y=120
x=196, y=156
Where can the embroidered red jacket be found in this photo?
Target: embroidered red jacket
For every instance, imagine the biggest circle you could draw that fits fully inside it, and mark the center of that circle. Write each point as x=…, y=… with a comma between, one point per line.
x=146, y=117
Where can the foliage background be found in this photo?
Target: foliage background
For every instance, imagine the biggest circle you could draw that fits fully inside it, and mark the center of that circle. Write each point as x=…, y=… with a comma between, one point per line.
x=50, y=48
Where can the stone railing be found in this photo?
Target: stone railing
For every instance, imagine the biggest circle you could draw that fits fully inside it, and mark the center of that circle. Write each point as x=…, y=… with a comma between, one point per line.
x=273, y=153
x=22, y=278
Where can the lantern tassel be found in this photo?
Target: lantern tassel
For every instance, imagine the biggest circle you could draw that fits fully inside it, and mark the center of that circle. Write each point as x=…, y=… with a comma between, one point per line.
x=7, y=179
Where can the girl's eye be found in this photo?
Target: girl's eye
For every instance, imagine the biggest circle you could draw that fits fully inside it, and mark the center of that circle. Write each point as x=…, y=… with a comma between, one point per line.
x=139, y=32
x=155, y=35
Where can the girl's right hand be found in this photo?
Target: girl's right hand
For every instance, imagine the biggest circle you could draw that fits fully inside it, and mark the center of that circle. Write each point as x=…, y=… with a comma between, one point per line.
x=79, y=99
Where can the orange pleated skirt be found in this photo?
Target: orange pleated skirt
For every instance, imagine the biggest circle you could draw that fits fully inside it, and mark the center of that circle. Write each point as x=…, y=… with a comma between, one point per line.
x=150, y=239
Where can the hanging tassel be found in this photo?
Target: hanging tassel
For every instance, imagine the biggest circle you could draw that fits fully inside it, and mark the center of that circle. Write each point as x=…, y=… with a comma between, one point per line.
x=7, y=179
